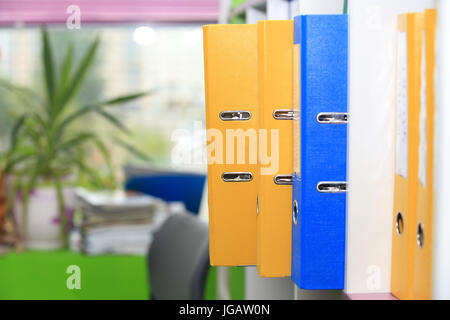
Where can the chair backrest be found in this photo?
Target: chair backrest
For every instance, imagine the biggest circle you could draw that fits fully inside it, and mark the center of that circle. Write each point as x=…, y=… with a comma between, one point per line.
x=184, y=187
x=178, y=259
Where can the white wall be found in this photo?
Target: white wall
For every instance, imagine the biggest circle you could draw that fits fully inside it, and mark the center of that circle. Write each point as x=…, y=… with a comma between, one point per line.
x=321, y=6
x=278, y=10
x=441, y=225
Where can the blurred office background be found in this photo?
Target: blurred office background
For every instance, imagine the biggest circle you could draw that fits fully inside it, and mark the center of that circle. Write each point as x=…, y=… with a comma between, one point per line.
x=144, y=46
x=145, y=235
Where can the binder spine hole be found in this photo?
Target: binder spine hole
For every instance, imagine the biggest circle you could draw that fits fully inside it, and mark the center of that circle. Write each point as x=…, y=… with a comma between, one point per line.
x=332, y=187
x=295, y=212
x=257, y=205
x=235, y=115
x=284, y=114
x=283, y=179
x=399, y=225
x=420, y=235
x=237, y=176
x=332, y=117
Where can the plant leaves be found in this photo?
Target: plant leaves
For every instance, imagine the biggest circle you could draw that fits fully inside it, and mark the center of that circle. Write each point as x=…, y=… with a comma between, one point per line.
x=90, y=108
x=66, y=69
x=16, y=130
x=14, y=87
x=95, y=177
x=112, y=119
x=29, y=186
x=107, y=156
x=72, y=117
x=76, y=140
x=27, y=96
x=124, y=98
x=47, y=57
x=80, y=73
x=12, y=162
x=139, y=154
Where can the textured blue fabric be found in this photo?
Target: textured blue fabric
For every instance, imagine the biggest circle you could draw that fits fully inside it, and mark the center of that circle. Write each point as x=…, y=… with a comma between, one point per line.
x=297, y=30
x=187, y=188
x=318, y=239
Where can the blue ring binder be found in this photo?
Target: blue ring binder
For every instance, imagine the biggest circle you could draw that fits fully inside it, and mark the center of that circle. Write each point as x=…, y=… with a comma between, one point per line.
x=318, y=238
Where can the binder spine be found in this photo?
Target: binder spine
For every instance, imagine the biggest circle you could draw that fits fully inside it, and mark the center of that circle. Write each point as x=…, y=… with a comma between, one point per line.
x=230, y=53
x=296, y=190
x=275, y=46
x=320, y=190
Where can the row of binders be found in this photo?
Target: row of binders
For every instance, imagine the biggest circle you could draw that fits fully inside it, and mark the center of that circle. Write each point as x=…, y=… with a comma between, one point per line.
x=260, y=213
x=276, y=117
x=413, y=189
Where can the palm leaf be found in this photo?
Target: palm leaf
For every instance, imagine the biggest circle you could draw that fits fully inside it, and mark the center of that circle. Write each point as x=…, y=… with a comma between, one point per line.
x=16, y=186
x=18, y=157
x=112, y=119
x=18, y=89
x=77, y=140
x=65, y=73
x=124, y=99
x=90, y=108
x=80, y=73
x=16, y=130
x=13, y=162
x=106, y=155
x=29, y=186
x=72, y=117
x=40, y=120
x=139, y=154
x=27, y=96
x=47, y=57
x=94, y=176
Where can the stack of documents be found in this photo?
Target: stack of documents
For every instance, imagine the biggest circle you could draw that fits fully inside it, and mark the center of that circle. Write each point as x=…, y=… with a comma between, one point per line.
x=118, y=223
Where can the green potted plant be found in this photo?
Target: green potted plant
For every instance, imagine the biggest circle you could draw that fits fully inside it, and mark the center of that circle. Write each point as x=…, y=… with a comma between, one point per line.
x=50, y=150
x=9, y=158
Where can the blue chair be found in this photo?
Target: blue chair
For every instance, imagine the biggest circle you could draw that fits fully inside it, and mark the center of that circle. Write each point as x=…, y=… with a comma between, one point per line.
x=170, y=186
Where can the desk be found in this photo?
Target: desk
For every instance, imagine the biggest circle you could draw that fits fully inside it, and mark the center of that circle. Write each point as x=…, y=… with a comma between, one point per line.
x=42, y=275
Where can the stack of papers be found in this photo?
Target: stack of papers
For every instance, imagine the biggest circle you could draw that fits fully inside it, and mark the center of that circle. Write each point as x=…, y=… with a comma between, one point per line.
x=116, y=222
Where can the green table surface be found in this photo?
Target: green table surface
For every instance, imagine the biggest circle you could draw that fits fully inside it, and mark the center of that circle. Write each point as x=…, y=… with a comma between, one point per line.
x=42, y=275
